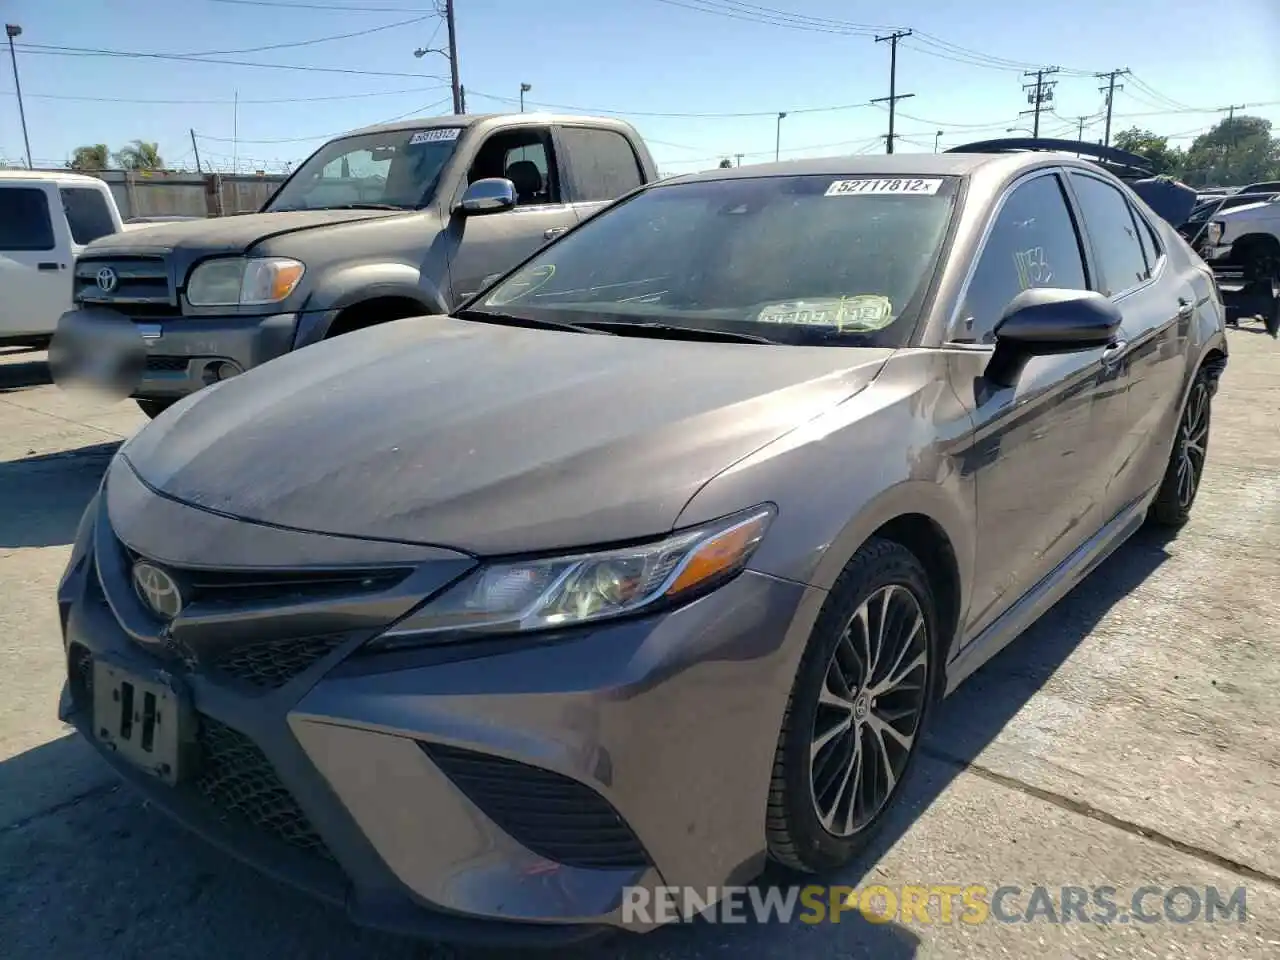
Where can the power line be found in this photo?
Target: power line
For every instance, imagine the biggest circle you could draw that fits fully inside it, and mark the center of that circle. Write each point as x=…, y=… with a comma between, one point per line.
x=893, y=96
x=323, y=136
x=308, y=43
x=346, y=8
x=227, y=100
x=673, y=116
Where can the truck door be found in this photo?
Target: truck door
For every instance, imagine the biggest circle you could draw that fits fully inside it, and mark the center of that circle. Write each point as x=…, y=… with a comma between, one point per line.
x=35, y=260
x=484, y=247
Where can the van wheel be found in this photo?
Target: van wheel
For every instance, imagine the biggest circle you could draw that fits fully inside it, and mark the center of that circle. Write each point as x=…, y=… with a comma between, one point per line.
x=856, y=712
x=153, y=408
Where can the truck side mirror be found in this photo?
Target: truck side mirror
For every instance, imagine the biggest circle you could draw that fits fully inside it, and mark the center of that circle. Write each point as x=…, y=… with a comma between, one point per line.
x=490, y=195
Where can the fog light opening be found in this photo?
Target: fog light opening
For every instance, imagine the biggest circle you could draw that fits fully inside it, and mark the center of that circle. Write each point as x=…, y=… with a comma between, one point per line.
x=219, y=370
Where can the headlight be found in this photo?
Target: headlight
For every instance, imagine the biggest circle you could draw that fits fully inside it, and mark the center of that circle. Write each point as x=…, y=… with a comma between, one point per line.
x=1213, y=233
x=233, y=282
x=566, y=591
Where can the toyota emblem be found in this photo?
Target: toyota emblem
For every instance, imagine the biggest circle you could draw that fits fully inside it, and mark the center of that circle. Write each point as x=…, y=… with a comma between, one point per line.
x=159, y=591
x=107, y=279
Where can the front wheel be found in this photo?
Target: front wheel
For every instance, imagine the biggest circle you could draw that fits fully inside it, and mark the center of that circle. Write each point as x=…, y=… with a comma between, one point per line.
x=856, y=711
x=1177, y=494
x=153, y=408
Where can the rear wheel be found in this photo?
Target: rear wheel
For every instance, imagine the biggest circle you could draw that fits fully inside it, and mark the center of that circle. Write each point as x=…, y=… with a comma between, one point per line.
x=153, y=408
x=856, y=711
x=1177, y=494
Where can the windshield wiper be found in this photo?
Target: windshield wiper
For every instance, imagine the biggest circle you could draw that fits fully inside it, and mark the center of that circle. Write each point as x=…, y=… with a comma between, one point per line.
x=364, y=206
x=624, y=327
x=534, y=323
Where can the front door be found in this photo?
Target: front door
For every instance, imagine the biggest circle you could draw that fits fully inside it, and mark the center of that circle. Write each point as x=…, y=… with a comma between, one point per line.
x=484, y=246
x=1034, y=454
x=35, y=259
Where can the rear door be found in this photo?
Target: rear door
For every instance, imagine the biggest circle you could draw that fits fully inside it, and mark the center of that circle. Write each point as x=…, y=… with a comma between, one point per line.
x=600, y=165
x=1132, y=269
x=90, y=214
x=485, y=246
x=1034, y=455
x=35, y=259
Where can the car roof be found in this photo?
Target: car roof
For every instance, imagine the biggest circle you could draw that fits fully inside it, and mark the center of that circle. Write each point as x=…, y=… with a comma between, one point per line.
x=57, y=176
x=486, y=119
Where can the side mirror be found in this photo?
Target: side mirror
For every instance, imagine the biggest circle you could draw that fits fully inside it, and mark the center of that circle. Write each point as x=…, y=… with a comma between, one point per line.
x=1047, y=320
x=490, y=195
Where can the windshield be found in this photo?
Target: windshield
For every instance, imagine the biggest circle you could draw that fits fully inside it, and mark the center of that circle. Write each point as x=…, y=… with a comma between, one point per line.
x=392, y=168
x=802, y=259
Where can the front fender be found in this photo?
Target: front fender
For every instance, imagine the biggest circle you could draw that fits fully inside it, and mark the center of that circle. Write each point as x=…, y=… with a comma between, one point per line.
x=357, y=283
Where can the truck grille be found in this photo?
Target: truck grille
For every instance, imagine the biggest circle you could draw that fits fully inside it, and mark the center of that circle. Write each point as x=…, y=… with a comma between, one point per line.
x=141, y=284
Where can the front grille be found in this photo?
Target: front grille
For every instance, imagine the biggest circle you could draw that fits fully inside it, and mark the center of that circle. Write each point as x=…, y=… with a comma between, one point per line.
x=273, y=663
x=554, y=816
x=156, y=362
x=141, y=282
x=238, y=780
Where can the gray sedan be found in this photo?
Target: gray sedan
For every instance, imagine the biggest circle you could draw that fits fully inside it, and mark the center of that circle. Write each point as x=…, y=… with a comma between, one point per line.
x=649, y=564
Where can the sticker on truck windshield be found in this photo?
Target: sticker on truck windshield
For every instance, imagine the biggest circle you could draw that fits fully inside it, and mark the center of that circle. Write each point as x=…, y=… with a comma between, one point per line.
x=861, y=314
x=893, y=186
x=434, y=136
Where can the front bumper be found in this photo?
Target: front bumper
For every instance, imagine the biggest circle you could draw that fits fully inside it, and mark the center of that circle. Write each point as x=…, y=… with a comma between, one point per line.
x=499, y=793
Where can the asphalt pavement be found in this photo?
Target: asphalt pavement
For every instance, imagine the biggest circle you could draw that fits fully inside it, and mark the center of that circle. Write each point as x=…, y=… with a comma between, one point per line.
x=1130, y=740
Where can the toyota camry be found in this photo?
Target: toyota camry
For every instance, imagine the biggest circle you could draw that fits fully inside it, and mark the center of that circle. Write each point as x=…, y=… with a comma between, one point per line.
x=649, y=564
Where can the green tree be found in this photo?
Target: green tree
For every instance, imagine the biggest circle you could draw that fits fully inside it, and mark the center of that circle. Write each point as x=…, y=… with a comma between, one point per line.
x=1237, y=151
x=140, y=155
x=1163, y=158
x=726, y=163
x=90, y=158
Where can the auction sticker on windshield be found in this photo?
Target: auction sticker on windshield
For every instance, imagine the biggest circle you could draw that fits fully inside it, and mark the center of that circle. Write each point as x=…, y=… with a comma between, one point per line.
x=521, y=285
x=893, y=186
x=861, y=314
x=435, y=136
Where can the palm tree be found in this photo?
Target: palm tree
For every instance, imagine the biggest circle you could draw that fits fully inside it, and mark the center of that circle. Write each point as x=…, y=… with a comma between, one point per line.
x=140, y=155
x=90, y=158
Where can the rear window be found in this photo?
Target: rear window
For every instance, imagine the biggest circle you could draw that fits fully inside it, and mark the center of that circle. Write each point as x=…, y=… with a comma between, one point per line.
x=604, y=164
x=24, y=219
x=87, y=213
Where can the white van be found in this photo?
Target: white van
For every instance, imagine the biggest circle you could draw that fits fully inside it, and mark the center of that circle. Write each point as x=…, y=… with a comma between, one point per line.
x=46, y=218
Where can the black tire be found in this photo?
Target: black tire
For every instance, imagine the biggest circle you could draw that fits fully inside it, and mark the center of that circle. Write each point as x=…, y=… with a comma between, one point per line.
x=797, y=837
x=1173, y=502
x=153, y=408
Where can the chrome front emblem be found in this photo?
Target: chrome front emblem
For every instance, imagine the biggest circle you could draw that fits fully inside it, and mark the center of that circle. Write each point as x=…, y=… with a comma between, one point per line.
x=159, y=591
x=107, y=279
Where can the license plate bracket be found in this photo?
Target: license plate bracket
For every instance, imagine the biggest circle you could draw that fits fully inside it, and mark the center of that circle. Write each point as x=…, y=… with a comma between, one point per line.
x=145, y=721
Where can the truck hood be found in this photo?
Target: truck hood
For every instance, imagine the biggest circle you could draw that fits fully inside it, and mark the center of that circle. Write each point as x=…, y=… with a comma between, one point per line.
x=225, y=235
x=484, y=438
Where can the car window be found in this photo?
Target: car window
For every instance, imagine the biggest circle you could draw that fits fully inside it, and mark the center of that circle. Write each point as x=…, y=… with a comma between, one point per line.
x=87, y=213
x=1151, y=248
x=24, y=219
x=808, y=259
x=1112, y=233
x=604, y=164
x=526, y=158
x=1033, y=243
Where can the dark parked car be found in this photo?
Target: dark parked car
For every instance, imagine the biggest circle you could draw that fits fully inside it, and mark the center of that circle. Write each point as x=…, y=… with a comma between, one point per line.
x=391, y=221
x=650, y=562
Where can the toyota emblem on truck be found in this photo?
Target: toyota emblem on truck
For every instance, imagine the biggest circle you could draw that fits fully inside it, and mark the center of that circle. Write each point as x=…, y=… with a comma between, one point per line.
x=107, y=279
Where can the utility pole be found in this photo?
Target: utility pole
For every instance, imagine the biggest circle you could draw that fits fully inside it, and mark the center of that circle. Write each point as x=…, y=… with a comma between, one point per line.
x=524, y=88
x=451, y=54
x=1040, y=94
x=196, y=149
x=738, y=157
x=1110, y=90
x=777, y=143
x=936, y=137
x=13, y=30
x=893, y=96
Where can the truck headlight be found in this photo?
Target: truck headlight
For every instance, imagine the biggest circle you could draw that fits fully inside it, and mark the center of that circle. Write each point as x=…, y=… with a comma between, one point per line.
x=239, y=282
x=565, y=591
x=1213, y=233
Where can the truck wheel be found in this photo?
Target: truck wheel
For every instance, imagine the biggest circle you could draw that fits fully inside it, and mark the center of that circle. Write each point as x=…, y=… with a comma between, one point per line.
x=153, y=408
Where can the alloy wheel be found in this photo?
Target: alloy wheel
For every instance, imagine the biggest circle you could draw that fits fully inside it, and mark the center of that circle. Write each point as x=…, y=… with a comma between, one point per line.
x=869, y=710
x=1193, y=440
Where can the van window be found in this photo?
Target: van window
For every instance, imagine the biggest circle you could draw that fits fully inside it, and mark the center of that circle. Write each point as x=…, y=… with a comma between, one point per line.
x=87, y=213
x=24, y=219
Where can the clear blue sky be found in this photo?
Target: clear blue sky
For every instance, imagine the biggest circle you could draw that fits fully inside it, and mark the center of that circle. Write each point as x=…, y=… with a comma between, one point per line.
x=638, y=58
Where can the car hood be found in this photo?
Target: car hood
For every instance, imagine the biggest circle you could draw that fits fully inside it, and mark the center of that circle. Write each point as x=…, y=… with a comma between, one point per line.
x=235, y=234
x=486, y=438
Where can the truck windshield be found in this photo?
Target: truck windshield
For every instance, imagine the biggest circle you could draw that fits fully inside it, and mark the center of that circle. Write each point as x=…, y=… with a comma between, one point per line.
x=839, y=260
x=392, y=168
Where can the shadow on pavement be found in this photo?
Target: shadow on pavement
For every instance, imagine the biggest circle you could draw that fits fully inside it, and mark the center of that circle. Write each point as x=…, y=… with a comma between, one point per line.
x=43, y=496
x=108, y=876
x=23, y=375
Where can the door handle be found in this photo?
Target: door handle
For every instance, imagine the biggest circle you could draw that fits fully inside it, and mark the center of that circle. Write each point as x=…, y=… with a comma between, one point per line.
x=48, y=265
x=550, y=232
x=1114, y=353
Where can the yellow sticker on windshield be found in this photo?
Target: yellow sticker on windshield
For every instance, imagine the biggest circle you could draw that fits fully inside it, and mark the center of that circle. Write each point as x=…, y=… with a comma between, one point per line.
x=859, y=314
x=521, y=285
